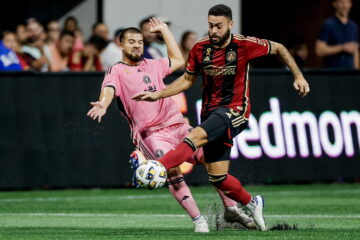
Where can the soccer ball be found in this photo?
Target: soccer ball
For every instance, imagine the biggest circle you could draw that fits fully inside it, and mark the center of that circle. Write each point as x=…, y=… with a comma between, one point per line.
x=151, y=174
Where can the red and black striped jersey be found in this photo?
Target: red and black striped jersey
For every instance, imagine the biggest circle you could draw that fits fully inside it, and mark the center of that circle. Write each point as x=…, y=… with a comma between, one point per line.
x=225, y=71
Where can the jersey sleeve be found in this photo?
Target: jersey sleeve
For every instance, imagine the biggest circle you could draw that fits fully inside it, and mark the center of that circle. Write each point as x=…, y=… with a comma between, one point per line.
x=192, y=65
x=112, y=80
x=164, y=64
x=256, y=47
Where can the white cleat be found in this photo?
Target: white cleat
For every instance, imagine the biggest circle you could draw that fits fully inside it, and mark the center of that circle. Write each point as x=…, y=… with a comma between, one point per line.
x=201, y=225
x=255, y=208
x=235, y=214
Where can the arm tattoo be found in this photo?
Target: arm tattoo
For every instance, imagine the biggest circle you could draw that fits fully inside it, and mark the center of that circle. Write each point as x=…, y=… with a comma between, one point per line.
x=283, y=54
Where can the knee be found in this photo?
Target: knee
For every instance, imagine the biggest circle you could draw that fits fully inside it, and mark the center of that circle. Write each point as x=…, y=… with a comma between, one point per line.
x=198, y=136
x=173, y=172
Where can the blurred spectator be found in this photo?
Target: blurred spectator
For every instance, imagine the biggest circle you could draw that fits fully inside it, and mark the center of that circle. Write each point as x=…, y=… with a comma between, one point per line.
x=298, y=49
x=58, y=52
x=71, y=25
x=339, y=37
x=10, y=41
x=149, y=37
x=8, y=59
x=159, y=43
x=188, y=39
x=33, y=49
x=21, y=34
x=112, y=53
x=101, y=30
x=88, y=59
x=53, y=30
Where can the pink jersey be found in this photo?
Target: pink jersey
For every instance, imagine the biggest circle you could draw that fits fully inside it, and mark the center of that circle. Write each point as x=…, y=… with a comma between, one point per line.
x=130, y=80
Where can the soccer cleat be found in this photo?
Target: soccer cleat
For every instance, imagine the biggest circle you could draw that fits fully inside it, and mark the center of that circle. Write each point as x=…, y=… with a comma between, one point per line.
x=255, y=208
x=235, y=214
x=201, y=225
x=136, y=159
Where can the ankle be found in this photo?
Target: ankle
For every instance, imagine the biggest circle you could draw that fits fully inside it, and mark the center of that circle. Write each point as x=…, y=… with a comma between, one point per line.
x=198, y=218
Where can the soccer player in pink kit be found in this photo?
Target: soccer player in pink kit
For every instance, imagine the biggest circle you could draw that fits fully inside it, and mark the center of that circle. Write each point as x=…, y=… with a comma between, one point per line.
x=157, y=127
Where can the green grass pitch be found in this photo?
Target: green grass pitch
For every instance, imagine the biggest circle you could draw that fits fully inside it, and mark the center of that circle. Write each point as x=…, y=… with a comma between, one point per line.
x=318, y=211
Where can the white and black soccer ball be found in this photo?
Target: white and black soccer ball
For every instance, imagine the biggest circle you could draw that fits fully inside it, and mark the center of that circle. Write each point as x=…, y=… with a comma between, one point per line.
x=151, y=175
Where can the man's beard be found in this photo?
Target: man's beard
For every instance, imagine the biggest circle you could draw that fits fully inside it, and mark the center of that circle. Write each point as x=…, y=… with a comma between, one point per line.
x=134, y=58
x=223, y=39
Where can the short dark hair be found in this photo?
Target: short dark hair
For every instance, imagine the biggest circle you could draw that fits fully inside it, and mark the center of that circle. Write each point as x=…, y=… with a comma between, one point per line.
x=128, y=30
x=98, y=42
x=221, y=10
x=66, y=33
x=145, y=20
x=71, y=18
x=118, y=32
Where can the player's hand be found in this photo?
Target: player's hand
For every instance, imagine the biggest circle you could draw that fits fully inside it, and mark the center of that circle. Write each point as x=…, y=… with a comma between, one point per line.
x=146, y=96
x=156, y=25
x=301, y=85
x=97, y=111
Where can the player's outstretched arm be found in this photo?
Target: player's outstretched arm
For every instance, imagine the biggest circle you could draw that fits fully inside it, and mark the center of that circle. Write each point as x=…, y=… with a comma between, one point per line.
x=176, y=58
x=300, y=84
x=179, y=85
x=99, y=108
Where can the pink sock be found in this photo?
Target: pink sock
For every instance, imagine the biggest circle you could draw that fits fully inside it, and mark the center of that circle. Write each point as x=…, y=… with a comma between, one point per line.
x=182, y=194
x=228, y=202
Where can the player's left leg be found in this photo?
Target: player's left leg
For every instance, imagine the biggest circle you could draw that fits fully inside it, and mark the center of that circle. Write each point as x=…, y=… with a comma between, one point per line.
x=160, y=142
x=231, y=212
x=221, y=128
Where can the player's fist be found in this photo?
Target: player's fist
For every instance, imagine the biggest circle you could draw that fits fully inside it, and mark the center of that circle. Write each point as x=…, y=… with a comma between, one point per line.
x=301, y=85
x=97, y=111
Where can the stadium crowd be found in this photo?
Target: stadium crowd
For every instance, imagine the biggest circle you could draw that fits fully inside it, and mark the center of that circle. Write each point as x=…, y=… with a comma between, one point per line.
x=56, y=48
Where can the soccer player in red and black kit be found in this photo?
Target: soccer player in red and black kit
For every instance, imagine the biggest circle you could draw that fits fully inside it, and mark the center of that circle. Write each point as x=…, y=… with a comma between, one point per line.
x=223, y=60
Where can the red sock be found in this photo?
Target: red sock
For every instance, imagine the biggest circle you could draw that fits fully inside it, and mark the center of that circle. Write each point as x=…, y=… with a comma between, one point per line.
x=174, y=158
x=234, y=190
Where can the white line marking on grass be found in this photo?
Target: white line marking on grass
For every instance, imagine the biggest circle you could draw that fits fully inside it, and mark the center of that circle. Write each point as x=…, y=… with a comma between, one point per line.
x=88, y=198
x=312, y=216
x=160, y=215
x=92, y=215
x=161, y=196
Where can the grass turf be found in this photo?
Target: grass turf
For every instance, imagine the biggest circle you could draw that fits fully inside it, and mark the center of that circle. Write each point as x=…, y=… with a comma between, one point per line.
x=318, y=211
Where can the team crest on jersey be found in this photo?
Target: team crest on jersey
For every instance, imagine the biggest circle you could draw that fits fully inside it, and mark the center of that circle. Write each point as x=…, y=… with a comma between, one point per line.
x=231, y=56
x=146, y=79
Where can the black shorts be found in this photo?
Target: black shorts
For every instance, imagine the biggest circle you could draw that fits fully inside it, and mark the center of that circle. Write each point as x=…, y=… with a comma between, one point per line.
x=221, y=126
